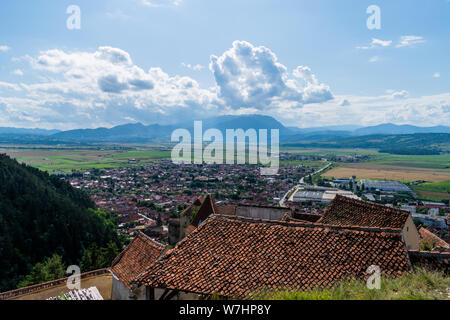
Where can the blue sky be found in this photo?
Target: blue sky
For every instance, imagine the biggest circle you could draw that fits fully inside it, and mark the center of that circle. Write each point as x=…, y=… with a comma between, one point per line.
x=307, y=63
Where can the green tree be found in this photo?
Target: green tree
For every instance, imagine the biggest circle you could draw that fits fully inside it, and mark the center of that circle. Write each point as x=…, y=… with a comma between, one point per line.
x=51, y=268
x=96, y=258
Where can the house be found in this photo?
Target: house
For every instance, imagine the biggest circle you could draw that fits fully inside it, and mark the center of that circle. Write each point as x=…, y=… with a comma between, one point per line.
x=235, y=257
x=136, y=258
x=190, y=219
x=345, y=211
x=433, y=241
x=177, y=226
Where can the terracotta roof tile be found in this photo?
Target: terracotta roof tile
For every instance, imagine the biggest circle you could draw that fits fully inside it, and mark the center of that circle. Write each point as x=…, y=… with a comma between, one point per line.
x=136, y=258
x=345, y=211
x=235, y=256
x=433, y=239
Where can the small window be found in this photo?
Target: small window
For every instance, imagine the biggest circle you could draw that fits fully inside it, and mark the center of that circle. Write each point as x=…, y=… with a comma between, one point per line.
x=407, y=229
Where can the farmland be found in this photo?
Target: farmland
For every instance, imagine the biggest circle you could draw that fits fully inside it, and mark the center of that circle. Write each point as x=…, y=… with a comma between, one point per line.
x=64, y=160
x=388, y=172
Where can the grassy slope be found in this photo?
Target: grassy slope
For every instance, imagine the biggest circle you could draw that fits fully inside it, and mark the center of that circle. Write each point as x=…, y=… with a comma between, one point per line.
x=419, y=285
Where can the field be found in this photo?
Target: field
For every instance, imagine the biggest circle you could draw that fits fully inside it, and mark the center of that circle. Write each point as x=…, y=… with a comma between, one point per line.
x=63, y=160
x=434, y=191
x=435, y=169
x=388, y=172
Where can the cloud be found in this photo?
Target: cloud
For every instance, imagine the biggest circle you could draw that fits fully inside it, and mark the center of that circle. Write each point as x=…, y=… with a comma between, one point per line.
x=104, y=87
x=436, y=75
x=4, y=48
x=376, y=43
x=196, y=67
x=17, y=72
x=373, y=110
x=251, y=77
x=9, y=86
x=399, y=94
x=161, y=3
x=118, y=15
x=374, y=59
x=111, y=68
x=410, y=41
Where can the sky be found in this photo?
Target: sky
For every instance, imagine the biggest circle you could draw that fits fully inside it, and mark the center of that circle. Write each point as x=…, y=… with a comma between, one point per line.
x=87, y=64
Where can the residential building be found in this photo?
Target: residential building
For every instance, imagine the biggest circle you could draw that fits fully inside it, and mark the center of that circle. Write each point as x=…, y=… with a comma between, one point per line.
x=345, y=211
x=236, y=257
x=141, y=253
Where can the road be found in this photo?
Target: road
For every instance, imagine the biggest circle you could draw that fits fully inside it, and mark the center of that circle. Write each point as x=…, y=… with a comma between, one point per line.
x=301, y=183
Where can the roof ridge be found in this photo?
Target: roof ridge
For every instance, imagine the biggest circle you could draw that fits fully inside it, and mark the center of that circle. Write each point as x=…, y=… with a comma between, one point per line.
x=312, y=225
x=144, y=237
x=153, y=241
x=367, y=203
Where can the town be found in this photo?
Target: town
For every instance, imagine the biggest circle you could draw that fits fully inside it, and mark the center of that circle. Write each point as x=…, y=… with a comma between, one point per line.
x=144, y=197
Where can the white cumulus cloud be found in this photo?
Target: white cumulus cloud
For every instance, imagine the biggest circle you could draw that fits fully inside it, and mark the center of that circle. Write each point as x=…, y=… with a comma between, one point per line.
x=251, y=77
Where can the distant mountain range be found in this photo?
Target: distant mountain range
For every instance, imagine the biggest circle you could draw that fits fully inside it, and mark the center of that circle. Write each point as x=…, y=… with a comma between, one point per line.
x=140, y=132
x=390, y=128
x=336, y=136
x=22, y=131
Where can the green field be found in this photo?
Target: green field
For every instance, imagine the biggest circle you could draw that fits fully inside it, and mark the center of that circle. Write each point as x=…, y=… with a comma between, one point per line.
x=62, y=160
x=434, y=191
x=441, y=161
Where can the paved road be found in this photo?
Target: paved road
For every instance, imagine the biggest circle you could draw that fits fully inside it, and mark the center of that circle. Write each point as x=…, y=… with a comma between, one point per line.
x=301, y=183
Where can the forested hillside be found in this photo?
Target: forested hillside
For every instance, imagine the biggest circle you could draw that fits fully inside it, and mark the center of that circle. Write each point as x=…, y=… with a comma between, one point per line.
x=41, y=216
x=408, y=144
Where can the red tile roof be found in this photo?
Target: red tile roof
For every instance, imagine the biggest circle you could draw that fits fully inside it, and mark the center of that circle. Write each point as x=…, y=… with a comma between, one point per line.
x=432, y=239
x=136, y=257
x=345, y=211
x=235, y=256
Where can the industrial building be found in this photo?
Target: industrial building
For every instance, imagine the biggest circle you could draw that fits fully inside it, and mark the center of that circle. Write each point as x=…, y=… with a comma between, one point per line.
x=386, y=186
x=320, y=194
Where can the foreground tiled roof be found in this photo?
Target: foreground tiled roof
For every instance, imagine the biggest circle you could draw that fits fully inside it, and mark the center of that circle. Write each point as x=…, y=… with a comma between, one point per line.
x=345, y=211
x=235, y=257
x=136, y=257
